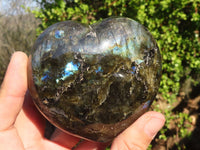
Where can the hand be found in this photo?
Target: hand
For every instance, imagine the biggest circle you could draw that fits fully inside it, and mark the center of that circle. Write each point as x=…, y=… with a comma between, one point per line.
x=22, y=126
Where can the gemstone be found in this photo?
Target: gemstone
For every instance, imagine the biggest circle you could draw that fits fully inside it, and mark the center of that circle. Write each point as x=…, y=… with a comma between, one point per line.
x=94, y=81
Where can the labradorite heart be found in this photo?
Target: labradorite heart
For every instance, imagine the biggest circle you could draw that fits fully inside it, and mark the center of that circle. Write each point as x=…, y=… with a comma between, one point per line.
x=94, y=81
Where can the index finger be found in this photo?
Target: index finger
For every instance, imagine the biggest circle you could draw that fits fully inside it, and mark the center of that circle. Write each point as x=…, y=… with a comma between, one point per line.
x=13, y=90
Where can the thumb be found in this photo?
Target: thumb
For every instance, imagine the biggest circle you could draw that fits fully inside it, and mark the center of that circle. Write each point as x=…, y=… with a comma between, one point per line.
x=140, y=134
x=13, y=90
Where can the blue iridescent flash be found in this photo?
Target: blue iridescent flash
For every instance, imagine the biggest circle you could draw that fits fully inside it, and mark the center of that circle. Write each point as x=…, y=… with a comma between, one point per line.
x=146, y=104
x=99, y=69
x=46, y=75
x=59, y=34
x=139, y=61
x=134, y=69
x=70, y=68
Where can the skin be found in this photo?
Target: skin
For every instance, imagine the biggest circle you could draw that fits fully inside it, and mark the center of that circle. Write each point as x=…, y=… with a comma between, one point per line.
x=22, y=126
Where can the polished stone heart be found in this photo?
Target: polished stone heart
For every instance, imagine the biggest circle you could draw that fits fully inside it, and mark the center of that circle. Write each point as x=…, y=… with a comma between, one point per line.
x=94, y=81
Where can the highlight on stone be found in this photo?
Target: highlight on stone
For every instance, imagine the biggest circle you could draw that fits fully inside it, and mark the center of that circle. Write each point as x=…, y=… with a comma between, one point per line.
x=94, y=81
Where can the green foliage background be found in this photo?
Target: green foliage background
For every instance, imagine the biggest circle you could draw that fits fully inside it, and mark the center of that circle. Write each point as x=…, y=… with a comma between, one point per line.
x=175, y=24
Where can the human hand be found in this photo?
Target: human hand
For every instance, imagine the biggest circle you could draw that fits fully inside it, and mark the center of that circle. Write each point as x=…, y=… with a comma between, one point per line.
x=22, y=126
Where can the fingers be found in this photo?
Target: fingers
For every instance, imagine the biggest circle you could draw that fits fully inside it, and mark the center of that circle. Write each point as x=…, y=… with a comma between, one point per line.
x=64, y=139
x=91, y=146
x=12, y=94
x=13, y=90
x=140, y=134
x=61, y=141
x=30, y=124
x=69, y=141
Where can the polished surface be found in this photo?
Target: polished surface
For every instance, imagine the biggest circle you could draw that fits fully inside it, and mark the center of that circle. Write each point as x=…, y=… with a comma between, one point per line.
x=94, y=81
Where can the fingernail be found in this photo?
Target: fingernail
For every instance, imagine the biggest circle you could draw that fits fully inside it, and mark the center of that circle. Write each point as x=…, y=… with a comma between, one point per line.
x=154, y=125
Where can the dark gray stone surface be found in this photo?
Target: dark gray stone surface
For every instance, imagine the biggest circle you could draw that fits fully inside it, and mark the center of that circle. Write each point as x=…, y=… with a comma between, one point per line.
x=94, y=81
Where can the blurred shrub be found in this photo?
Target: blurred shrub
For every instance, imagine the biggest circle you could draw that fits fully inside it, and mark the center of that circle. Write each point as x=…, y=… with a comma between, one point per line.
x=174, y=24
x=18, y=33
